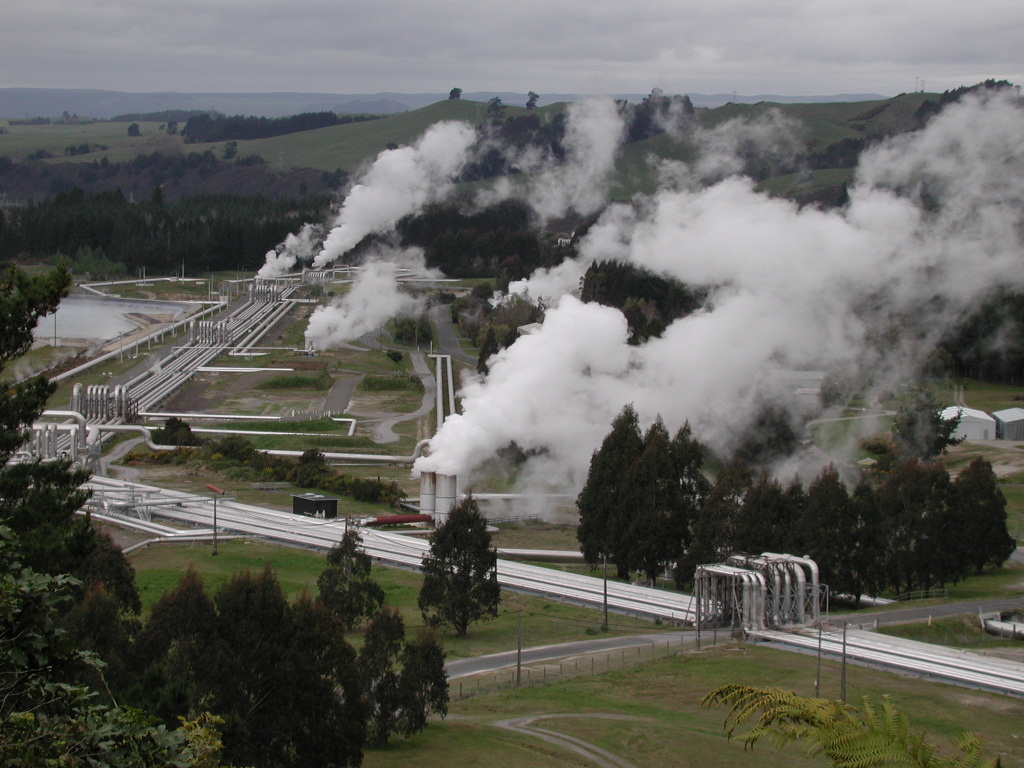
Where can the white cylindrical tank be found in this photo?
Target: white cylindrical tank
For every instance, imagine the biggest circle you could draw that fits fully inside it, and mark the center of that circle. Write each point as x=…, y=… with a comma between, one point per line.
x=428, y=492
x=445, y=499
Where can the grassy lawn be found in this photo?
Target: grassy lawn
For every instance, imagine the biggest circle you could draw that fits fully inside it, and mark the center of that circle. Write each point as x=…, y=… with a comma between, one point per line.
x=991, y=397
x=671, y=727
x=536, y=534
x=955, y=632
x=159, y=568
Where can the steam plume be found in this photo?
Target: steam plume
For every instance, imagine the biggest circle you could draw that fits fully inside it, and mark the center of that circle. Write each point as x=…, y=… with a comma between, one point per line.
x=400, y=182
x=295, y=248
x=934, y=223
x=375, y=297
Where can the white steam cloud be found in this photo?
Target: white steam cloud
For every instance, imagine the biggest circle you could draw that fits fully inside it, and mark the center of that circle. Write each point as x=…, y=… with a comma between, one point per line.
x=933, y=225
x=594, y=132
x=400, y=181
x=375, y=298
x=593, y=136
x=295, y=248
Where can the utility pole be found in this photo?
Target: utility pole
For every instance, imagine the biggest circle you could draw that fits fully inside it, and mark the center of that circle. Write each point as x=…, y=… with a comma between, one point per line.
x=817, y=679
x=519, y=649
x=842, y=692
x=605, y=625
x=697, y=597
x=216, y=492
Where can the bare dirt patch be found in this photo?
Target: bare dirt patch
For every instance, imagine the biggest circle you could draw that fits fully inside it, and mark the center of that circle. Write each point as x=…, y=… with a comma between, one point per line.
x=1006, y=457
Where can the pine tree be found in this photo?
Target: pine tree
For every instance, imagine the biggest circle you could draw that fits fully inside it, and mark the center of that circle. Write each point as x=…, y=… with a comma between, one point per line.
x=460, y=584
x=825, y=524
x=653, y=536
x=713, y=532
x=977, y=496
x=608, y=499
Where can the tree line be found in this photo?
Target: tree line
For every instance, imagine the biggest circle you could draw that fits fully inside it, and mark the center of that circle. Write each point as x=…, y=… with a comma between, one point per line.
x=211, y=127
x=202, y=232
x=649, y=505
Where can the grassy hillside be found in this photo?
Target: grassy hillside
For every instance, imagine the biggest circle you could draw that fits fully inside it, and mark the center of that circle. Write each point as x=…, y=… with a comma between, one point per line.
x=19, y=141
x=349, y=147
x=340, y=146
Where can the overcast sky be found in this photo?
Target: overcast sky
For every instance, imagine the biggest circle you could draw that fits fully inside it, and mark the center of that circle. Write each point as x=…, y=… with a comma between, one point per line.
x=782, y=47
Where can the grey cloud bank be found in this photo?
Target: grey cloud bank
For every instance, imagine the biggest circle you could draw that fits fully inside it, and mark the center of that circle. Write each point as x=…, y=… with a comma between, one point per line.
x=604, y=46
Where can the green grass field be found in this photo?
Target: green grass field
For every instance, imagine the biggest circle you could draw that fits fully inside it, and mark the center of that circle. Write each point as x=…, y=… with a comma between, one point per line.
x=22, y=140
x=670, y=727
x=991, y=397
x=954, y=632
x=159, y=568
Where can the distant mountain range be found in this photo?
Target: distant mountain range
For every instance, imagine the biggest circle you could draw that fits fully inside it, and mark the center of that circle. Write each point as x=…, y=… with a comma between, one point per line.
x=53, y=102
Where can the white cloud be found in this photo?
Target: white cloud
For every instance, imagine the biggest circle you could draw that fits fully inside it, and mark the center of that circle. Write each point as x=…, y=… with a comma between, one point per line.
x=783, y=46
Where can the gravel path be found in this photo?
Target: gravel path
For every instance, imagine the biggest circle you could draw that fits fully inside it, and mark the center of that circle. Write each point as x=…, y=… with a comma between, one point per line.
x=383, y=430
x=590, y=752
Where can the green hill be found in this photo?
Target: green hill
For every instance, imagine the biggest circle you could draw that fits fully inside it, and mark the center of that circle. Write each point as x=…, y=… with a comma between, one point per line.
x=349, y=147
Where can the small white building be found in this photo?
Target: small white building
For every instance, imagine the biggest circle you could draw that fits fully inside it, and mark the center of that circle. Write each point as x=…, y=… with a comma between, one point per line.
x=1010, y=424
x=974, y=424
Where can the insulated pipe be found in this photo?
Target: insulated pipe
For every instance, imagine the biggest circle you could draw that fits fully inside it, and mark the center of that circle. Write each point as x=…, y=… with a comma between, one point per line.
x=786, y=593
x=77, y=416
x=428, y=492
x=439, y=390
x=801, y=593
x=368, y=457
x=745, y=608
x=111, y=355
x=762, y=596
x=451, y=385
x=138, y=428
x=812, y=567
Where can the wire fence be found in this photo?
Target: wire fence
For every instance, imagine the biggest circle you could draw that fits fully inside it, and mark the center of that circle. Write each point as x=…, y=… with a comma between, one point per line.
x=568, y=668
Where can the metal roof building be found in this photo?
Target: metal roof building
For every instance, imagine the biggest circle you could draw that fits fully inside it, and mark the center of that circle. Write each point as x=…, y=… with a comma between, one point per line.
x=1010, y=424
x=974, y=424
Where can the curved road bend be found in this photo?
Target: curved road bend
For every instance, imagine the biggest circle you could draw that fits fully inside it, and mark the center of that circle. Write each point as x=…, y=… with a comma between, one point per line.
x=586, y=750
x=383, y=429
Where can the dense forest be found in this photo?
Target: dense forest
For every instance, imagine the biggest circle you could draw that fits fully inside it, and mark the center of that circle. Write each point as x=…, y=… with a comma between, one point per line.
x=649, y=302
x=179, y=174
x=498, y=241
x=201, y=232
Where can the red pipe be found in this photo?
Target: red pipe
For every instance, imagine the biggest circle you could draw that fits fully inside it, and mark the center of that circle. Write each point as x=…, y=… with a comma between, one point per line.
x=400, y=519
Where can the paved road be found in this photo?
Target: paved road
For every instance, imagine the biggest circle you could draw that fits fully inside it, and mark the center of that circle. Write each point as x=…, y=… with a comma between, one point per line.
x=495, y=661
x=447, y=340
x=383, y=429
x=908, y=615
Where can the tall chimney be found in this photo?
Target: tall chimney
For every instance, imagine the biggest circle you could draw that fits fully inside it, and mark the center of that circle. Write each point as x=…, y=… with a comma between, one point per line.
x=428, y=492
x=446, y=489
